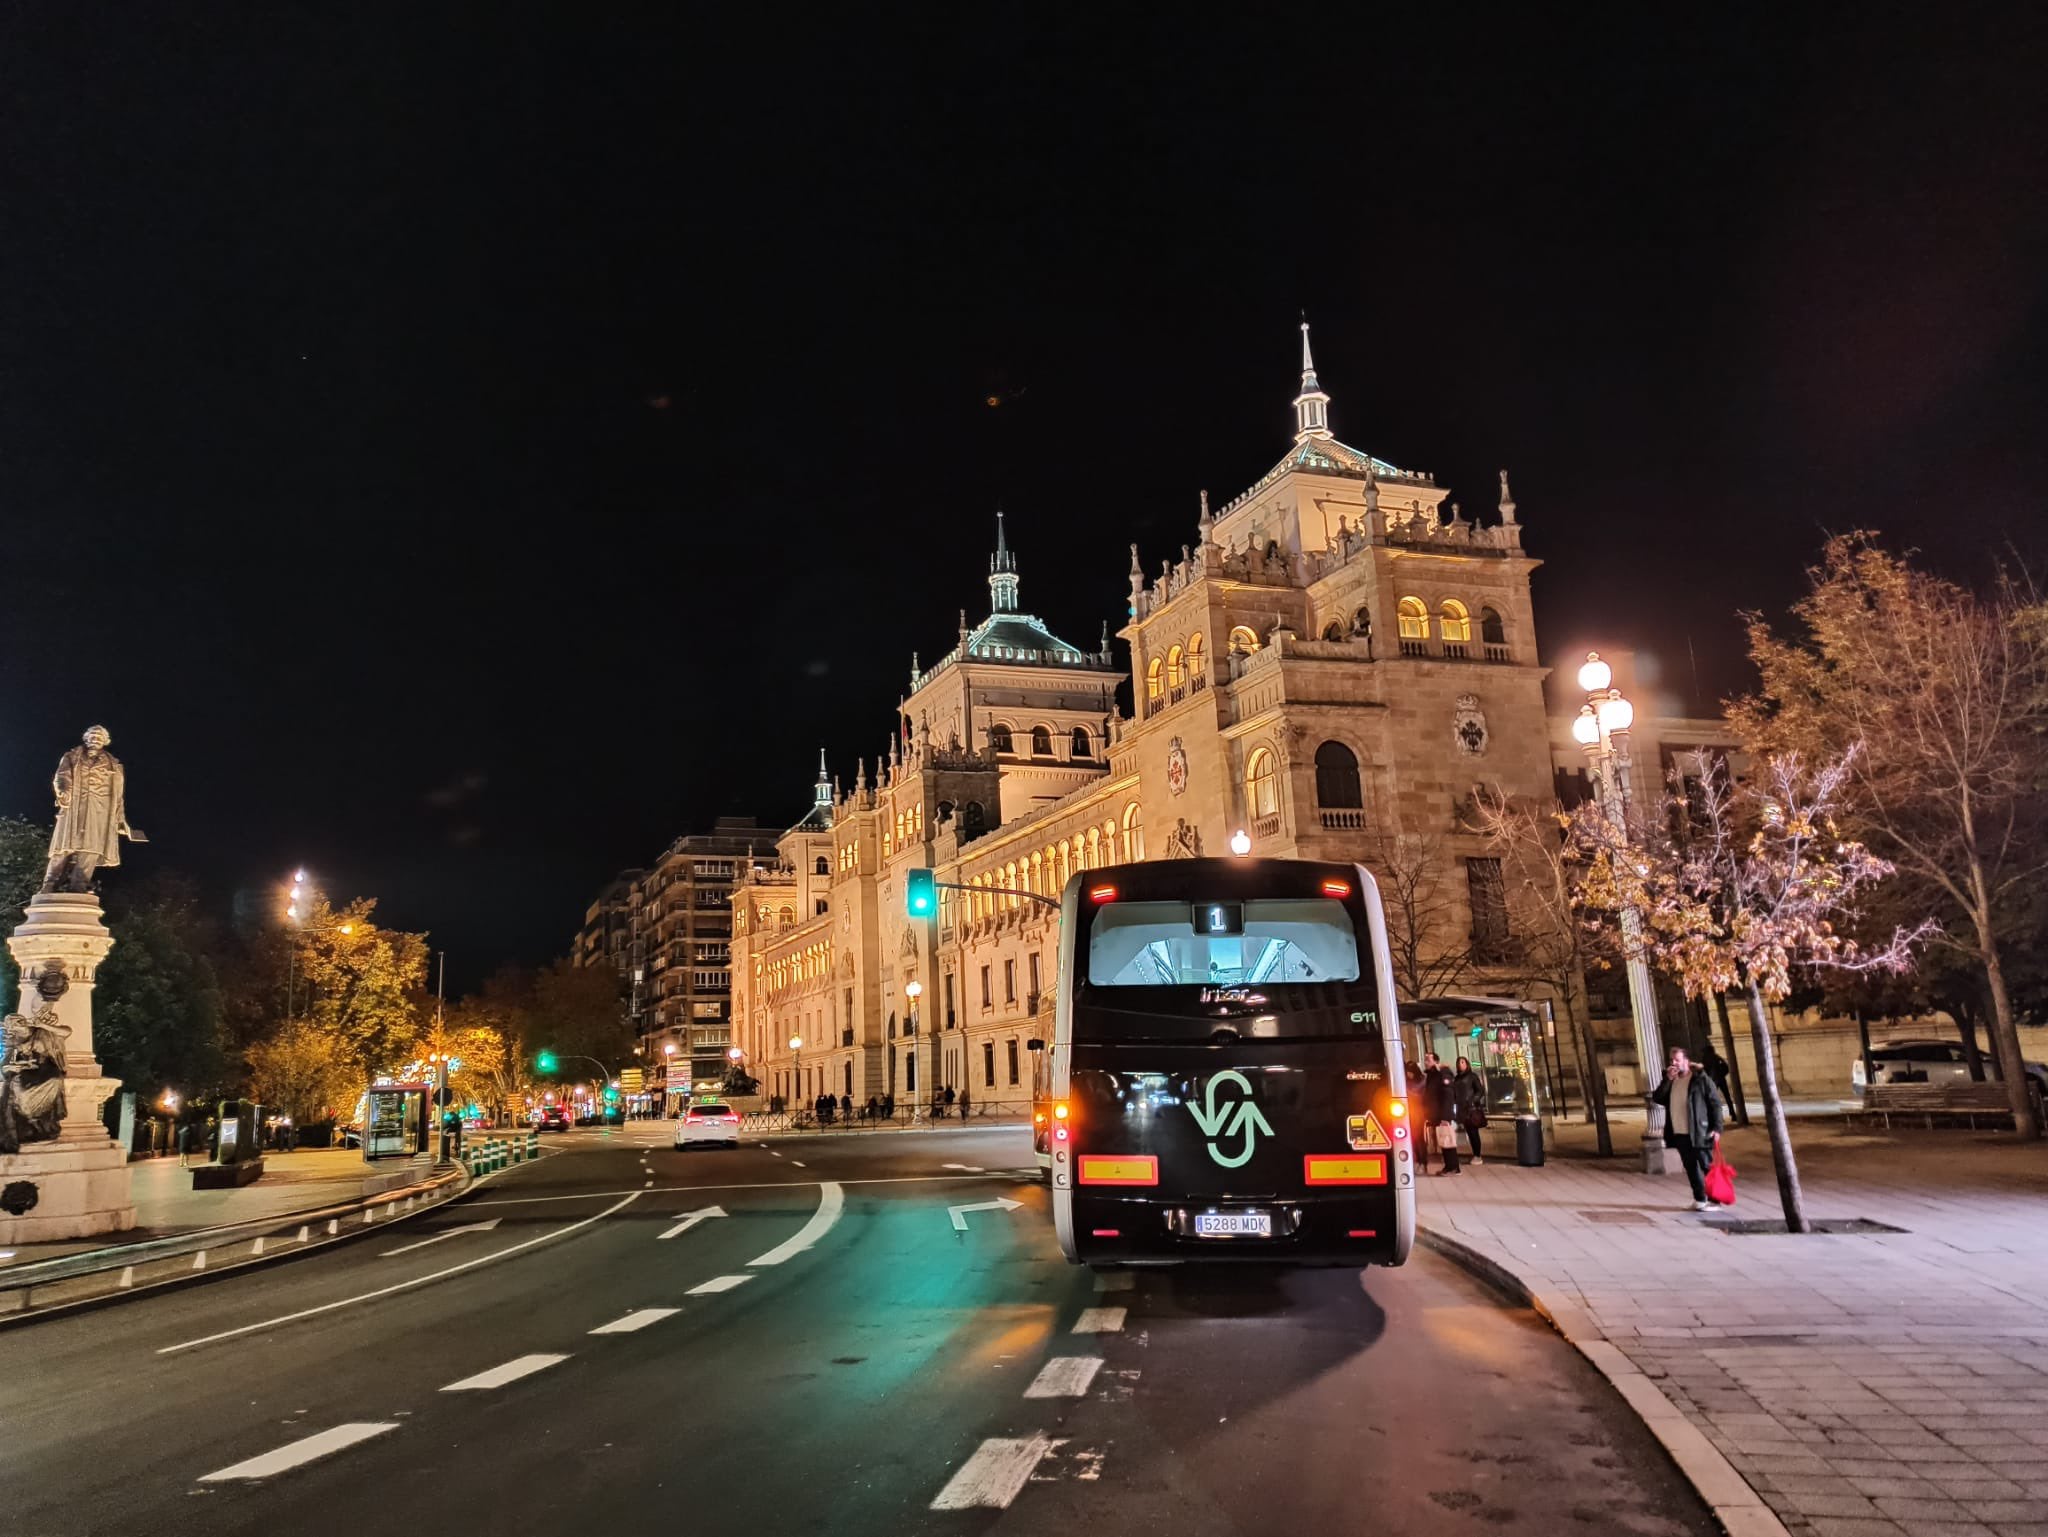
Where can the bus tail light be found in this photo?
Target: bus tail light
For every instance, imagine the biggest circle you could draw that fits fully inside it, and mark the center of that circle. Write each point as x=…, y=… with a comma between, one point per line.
x=1106, y=1232
x=1102, y=893
x=1398, y=1109
x=1336, y=888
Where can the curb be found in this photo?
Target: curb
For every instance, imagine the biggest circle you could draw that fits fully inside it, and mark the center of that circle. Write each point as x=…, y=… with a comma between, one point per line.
x=1739, y=1509
x=99, y=1277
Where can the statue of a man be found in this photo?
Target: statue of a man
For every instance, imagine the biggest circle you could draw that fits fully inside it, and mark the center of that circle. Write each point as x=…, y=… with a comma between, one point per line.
x=92, y=816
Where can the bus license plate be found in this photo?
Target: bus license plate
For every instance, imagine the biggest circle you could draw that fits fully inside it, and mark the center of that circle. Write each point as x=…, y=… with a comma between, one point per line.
x=1234, y=1224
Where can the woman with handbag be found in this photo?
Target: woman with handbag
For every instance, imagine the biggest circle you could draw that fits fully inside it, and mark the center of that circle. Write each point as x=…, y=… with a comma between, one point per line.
x=1442, y=1111
x=1468, y=1101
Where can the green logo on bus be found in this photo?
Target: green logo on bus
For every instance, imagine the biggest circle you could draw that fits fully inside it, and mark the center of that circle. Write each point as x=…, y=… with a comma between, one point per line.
x=1241, y=1115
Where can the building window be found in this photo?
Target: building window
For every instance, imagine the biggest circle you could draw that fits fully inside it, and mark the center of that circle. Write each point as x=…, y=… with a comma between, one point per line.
x=1155, y=683
x=1198, y=660
x=1414, y=619
x=1010, y=981
x=999, y=739
x=1455, y=621
x=1041, y=742
x=1361, y=623
x=1491, y=630
x=1134, y=835
x=818, y=908
x=950, y=1016
x=1031, y=965
x=1489, y=895
x=1083, y=749
x=988, y=997
x=1244, y=639
x=1337, y=786
x=824, y=865
x=1334, y=630
x=973, y=820
x=1262, y=784
x=847, y=1077
x=1173, y=668
x=988, y=1064
x=1013, y=1062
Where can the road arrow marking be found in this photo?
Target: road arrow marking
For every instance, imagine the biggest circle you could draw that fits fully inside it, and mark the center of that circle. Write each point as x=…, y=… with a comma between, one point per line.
x=692, y=1220
x=959, y=1213
x=470, y=1227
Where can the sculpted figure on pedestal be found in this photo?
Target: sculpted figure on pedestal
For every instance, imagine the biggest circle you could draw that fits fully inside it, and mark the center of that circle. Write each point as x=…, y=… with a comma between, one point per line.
x=92, y=815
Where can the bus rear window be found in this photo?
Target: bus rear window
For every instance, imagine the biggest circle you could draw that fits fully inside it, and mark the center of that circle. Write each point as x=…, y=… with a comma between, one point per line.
x=1236, y=944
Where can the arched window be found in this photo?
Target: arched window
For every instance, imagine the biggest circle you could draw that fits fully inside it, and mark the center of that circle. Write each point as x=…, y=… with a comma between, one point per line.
x=1456, y=620
x=999, y=738
x=1262, y=784
x=1134, y=835
x=1414, y=619
x=1037, y=881
x=787, y=916
x=1041, y=742
x=1245, y=639
x=1491, y=630
x=1173, y=668
x=1010, y=881
x=1155, y=680
x=1083, y=749
x=1334, y=630
x=973, y=820
x=1337, y=787
x=824, y=865
x=1066, y=865
x=1094, y=847
x=1361, y=622
x=1198, y=660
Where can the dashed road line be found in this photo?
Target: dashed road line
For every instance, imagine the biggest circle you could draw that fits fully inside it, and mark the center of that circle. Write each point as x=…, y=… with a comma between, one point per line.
x=1064, y=1377
x=994, y=1475
x=636, y=1321
x=795, y=1165
x=1100, y=1321
x=511, y=1371
x=307, y=1449
x=723, y=1283
x=831, y=1202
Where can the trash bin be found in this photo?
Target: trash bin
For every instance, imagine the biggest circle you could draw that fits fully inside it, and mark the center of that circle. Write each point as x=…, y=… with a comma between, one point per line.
x=1529, y=1141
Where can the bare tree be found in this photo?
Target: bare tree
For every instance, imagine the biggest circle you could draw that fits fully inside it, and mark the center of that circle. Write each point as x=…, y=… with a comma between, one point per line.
x=1553, y=946
x=1951, y=691
x=1431, y=948
x=1763, y=885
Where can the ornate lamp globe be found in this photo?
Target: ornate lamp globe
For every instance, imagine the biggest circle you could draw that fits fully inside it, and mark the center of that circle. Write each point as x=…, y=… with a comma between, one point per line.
x=1586, y=727
x=1616, y=713
x=1594, y=674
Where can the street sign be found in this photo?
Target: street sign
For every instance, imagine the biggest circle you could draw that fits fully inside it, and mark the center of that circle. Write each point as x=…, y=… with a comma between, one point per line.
x=632, y=1079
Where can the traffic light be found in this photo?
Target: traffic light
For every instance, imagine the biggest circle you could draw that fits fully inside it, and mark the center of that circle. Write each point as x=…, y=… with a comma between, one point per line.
x=545, y=1062
x=611, y=1093
x=920, y=893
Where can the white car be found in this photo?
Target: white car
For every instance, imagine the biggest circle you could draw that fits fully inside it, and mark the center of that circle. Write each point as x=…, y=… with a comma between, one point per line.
x=708, y=1123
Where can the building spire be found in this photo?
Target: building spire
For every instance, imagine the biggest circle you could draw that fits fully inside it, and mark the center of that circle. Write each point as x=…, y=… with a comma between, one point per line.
x=821, y=793
x=1002, y=573
x=1311, y=406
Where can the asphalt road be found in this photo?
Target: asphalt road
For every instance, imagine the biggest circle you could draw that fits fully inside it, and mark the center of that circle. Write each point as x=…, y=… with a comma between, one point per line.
x=652, y=1341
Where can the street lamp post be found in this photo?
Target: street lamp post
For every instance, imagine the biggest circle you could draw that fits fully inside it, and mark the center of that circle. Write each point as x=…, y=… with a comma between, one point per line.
x=914, y=990
x=796, y=1046
x=1602, y=729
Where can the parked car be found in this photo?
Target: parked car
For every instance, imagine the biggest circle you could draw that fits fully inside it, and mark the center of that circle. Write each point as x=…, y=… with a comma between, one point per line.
x=555, y=1118
x=708, y=1122
x=1933, y=1061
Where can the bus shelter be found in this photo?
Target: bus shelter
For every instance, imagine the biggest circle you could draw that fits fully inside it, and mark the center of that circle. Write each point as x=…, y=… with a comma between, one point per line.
x=396, y=1119
x=1503, y=1038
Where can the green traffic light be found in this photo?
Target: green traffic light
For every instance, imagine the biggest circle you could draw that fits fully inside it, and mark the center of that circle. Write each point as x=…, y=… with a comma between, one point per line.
x=920, y=893
x=545, y=1062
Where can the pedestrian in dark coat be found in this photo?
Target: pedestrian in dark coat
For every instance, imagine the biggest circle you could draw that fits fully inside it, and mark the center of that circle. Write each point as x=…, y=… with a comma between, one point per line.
x=1693, y=1116
x=1436, y=1089
x=1418, y=1118
x=1468, y=1103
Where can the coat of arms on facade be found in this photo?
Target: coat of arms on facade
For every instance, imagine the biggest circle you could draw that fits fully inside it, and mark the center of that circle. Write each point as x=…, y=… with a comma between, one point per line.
x=1468, y=725
x=1176, y=767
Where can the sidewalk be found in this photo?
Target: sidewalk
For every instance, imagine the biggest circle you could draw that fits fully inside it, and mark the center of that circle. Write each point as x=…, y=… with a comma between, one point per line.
x=166, y=1205
x=1864, y=1385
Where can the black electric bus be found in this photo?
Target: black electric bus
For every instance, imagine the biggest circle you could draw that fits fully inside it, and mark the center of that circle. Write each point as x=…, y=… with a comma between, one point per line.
x=1226, y=1074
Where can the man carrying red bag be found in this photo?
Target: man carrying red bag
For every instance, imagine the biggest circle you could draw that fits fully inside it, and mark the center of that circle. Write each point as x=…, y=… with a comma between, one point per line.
x=1694, y=1113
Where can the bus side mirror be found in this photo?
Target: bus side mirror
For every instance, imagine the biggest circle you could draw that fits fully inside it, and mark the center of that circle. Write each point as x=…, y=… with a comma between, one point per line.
x=1034, y=1045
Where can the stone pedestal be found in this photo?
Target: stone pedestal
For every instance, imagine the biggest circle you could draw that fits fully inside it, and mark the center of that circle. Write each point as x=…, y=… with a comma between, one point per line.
x=80, y=1179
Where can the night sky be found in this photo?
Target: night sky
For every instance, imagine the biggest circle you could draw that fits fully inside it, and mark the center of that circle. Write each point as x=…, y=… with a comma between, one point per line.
x=462, y=452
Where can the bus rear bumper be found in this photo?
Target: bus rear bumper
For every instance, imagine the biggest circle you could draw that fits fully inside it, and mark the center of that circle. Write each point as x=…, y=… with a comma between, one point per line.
x=1306, y=1230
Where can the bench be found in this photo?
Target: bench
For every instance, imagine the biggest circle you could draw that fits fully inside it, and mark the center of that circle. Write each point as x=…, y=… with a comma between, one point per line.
x=1927, y=1102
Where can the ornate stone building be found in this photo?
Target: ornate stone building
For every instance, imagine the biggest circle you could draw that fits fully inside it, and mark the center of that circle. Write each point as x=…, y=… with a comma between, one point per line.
x=1338, y=657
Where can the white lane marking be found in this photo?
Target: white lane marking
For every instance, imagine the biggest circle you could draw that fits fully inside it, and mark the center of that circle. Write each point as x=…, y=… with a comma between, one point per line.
x=1064, y=1377
x=634, y=1321
x=290, y=1456
x=965, y=1168
x=831, y=1202
x=471, y=1227
x=400, y=1286
x=723, y=1283
x=1115, y=1281
x=692, y=1220
x=774, y=1155
x=766, y=1184
x=994, y=1475
x=1000, y=1203
x=1099, y=1321
x=795, y=1165
x=511, y=1371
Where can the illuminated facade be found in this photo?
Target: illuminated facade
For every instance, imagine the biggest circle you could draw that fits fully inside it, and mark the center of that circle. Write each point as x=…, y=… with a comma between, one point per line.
x=1340, y=656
